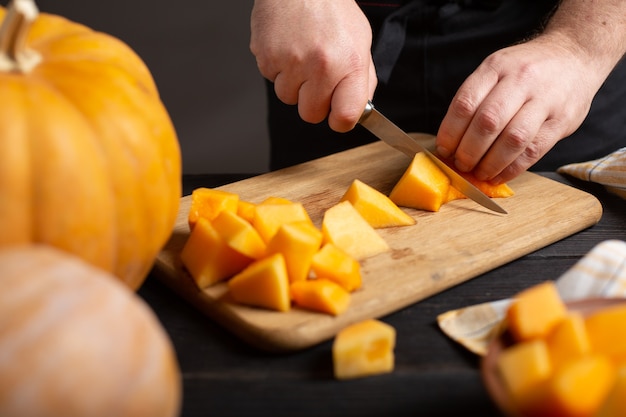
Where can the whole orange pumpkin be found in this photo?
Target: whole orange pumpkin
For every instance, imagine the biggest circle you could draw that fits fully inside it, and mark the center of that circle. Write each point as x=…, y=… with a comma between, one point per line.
x=89, y=158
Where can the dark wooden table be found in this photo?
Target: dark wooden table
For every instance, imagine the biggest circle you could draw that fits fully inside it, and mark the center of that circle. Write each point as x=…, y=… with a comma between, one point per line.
x=433, y=376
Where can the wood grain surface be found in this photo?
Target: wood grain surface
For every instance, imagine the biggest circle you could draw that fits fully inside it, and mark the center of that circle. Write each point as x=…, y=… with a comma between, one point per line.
x=460, y=242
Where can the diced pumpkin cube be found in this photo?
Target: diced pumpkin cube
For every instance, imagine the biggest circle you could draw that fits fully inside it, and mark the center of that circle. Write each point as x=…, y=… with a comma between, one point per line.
x=321, y=295
x=491, y=190
x=207, y=256
x=332, y=263
x=269, y=217
x=375, y=207
x=422, y=186
x=209, y=202
x=522, y=366
x=568, y=340
x=239, y=234
x=344, y=227
x=363, y=349
x=245, y=210
x=615, y=403
x=577, y=389
x=607, y=332
x=534, y=311
x=298, y=242
x=263, y=283
x=276, y=200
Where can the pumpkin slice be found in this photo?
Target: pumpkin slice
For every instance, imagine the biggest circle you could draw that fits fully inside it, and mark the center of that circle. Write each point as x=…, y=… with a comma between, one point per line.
x=268, y=217
x=263, y=283
x=375, y=207
x=332, y=263
x=321, y=295
x=245, y=210
x=344, y=227
x=239, y=234
x=298, y=242
x=364, y=349
x=208, y=257
x=422, y=186
x=209, y=202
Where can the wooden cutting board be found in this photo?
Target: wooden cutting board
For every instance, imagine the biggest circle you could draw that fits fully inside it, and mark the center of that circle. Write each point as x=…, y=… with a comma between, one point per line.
x=446, y=248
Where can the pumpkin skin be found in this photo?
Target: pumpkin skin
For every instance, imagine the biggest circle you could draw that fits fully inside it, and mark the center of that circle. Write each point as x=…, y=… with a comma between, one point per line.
x=75, y=342
x=89, y=158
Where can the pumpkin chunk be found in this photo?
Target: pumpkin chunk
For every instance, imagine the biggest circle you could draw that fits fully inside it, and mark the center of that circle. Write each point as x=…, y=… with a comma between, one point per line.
x=375, y=207
x=245, y=210
x=344, y=227
x=568, y=340
x=209, y=202
x=321, y=295
x=577, y=389
x=534, y=311
x=264, y=283
x=332, y=263
x=298, y=242
x=606, y=332
x=239, y=234
x=522, y=366
x=615, y=403
x=268, y=217
x=208, y=257
x=364, y=349
x=422, y=186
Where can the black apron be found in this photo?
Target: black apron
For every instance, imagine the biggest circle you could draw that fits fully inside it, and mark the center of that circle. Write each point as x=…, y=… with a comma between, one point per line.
x=423, y=51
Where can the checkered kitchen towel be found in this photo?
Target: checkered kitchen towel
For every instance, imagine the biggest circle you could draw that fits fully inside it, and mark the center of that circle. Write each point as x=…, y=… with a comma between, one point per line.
x=609, y=171
x=600, y=273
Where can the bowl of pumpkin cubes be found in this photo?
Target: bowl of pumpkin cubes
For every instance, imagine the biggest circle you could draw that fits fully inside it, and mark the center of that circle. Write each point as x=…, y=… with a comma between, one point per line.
x=558, y=358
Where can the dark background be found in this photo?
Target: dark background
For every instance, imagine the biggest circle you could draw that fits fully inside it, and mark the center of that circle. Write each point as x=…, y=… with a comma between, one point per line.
x=198, y=53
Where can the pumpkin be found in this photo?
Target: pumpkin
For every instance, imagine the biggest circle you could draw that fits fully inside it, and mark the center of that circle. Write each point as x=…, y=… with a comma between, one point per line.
x=89, y=158
x=75, y=342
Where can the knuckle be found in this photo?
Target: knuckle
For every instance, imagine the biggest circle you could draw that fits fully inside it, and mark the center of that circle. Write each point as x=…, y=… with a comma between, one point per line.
x=463, y=107
x=488, y=120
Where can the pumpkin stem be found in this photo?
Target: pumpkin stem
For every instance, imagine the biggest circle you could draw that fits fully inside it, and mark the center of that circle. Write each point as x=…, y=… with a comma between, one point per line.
x=14, y=56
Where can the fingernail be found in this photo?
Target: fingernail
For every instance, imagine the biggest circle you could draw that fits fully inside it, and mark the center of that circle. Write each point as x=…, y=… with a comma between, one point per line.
x=443, y=152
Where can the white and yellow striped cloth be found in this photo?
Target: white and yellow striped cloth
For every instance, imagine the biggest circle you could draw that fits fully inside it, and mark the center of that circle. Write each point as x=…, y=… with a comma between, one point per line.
x=609, y=171
x=600, y=273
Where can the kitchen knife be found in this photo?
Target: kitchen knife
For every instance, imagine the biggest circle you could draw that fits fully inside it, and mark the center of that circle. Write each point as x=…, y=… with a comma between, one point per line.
x=391, y=134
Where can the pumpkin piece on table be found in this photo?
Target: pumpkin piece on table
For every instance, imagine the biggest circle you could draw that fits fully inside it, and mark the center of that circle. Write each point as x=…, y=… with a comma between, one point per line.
x=320, y=294
x=209, y=202
x=343, y=226
x=332, y=263
x=77, y=342
x=422, y=186
x=364, y=349
x=208, y=258
x=375, y=207
x=268, y=217
x=239, y=234
x=89, y=158
x=298, y=242
x=264, y=283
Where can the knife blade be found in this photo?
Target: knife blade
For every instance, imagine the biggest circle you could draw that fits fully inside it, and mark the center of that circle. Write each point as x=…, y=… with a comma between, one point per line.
x=388, y=132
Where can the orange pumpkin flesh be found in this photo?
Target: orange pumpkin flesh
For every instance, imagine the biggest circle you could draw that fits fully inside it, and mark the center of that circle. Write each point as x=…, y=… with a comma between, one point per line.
x=90, y=159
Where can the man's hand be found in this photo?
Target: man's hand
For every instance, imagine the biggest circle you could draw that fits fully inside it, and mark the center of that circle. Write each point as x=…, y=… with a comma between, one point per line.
x=317, y=54
x=515, y=107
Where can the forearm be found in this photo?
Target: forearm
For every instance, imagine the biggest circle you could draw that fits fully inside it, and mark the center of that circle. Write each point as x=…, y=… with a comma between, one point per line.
x=595, y=30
